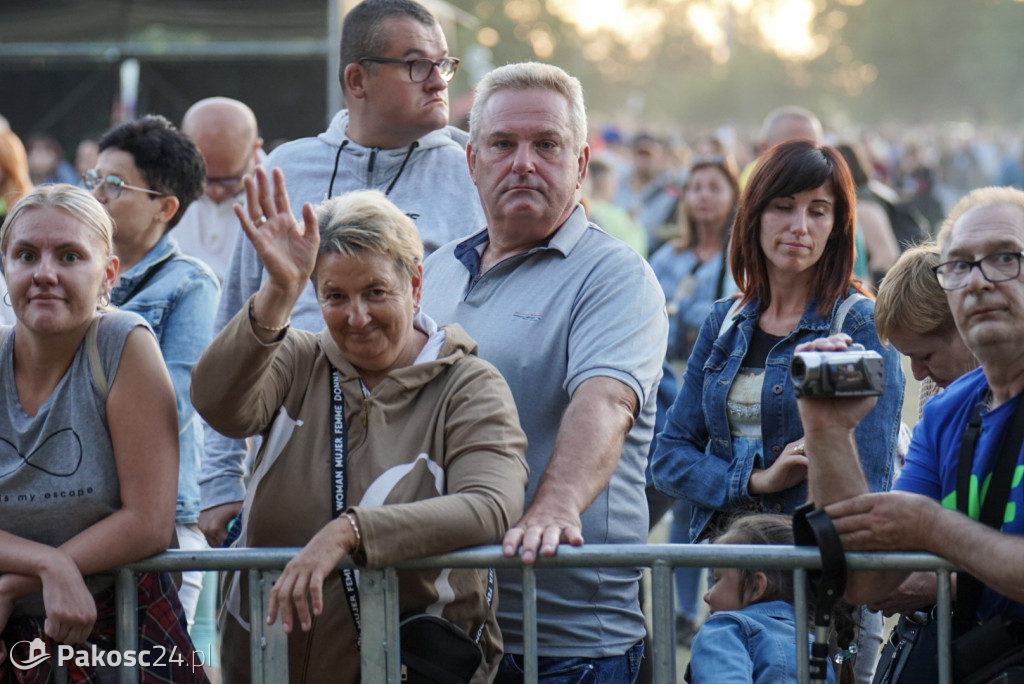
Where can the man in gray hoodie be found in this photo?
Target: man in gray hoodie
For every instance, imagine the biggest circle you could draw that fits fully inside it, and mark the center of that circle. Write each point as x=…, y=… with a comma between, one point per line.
x=393, y=137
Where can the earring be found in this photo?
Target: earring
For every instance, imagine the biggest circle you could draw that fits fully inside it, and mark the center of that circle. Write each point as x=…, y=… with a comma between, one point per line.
x=416, y=308
x=104, y=300
x=7, y=299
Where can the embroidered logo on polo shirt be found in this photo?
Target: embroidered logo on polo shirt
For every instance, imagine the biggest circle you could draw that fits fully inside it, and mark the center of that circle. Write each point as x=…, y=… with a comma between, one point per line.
x=532, y=317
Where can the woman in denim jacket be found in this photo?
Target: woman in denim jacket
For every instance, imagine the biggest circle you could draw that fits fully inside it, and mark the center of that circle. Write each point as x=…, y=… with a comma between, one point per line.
x=733, y=440
x=147, y=175
x=733, y=436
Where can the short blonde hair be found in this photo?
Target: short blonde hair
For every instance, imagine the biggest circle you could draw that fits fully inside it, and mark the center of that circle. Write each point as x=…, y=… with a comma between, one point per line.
x=366, y=222
x=80, y=204
x=910, y=299
x=978, y=198
x=529, y=76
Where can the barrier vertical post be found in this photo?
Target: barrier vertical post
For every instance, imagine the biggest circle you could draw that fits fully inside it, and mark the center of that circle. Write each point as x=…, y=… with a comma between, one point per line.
x=126, y=596
x=373, y=634
x=803, y=654
x=945, y=635
x=268, y=644
x=530, y=671
x=664, y=656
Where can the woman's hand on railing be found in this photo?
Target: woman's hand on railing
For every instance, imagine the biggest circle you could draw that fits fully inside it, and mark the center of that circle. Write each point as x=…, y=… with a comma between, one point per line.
x=302, y=581
x=70, y=607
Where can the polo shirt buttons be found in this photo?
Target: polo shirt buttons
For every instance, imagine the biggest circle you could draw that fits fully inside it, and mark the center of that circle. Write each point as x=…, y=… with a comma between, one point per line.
x=777, y=389
x=776, y=450
x=777, y=508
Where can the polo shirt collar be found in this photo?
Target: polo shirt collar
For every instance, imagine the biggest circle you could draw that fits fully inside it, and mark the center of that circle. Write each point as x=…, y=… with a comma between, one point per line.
x=468, y=251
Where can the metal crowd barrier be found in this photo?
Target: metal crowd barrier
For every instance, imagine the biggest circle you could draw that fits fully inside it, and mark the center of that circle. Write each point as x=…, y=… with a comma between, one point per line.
x=378, y=591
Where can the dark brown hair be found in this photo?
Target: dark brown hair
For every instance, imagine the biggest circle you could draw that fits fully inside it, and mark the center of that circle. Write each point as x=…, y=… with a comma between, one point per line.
x=785, y=170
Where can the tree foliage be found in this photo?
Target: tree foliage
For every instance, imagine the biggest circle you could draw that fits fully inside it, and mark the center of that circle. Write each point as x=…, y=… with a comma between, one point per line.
x=869, y=61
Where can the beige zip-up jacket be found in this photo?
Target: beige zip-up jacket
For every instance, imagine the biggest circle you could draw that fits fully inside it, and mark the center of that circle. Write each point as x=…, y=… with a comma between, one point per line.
x=436, y=462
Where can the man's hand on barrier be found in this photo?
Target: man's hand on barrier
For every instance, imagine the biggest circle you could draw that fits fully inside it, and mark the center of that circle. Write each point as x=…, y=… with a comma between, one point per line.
x=917, y=591
x=213, y=522
x=302, y=581
x=885, y=521
x=541, y=529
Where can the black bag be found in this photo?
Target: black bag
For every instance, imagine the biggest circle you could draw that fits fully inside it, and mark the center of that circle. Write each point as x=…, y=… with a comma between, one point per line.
x=434, y=651
x=992, y=653
x=909, y=656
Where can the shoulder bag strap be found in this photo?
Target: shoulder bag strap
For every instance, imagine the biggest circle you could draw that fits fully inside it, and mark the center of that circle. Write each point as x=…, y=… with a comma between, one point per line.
x=844, y=308
x=993, y=508
x=730, y=316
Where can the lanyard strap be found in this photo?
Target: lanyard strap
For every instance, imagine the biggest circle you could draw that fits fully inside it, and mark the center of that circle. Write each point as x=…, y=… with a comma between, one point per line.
x=339, y=461
x=993, y=508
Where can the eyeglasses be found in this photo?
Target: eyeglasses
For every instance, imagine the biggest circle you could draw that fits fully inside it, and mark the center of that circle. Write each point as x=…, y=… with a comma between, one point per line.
x=420, y=69
x=231, y=185
x=112, y=185
x=995, y=268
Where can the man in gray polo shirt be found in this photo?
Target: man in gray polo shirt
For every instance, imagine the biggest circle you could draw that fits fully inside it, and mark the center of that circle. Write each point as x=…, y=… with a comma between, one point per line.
x=575, y=321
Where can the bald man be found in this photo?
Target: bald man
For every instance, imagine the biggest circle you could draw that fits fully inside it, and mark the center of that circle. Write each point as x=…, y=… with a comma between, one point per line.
x=782, y=125
x=227, y=136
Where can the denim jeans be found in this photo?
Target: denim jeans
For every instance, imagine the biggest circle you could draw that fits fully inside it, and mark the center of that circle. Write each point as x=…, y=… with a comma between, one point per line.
x=621, y=669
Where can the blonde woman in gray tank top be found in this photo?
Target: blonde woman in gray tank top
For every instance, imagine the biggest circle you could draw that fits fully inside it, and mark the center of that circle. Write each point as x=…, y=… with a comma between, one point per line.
x=88, y=442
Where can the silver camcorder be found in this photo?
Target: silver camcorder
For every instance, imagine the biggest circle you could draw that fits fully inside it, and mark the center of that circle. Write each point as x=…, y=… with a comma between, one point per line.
x=856, y=372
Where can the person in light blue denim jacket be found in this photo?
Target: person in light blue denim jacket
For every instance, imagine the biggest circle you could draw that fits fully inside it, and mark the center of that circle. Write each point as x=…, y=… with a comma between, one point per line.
x=750, y=636
x=146, y=176
x=733, y=439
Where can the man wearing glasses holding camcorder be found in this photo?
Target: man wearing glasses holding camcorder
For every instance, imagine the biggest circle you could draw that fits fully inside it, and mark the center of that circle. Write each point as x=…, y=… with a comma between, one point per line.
x=960, y=494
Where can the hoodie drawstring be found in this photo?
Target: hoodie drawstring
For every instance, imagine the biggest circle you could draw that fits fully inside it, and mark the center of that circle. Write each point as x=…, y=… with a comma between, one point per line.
x=337, y=159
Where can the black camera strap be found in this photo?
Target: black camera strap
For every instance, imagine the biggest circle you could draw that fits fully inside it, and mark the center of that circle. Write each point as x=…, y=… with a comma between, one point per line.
x=993, y=508
x=813, y=527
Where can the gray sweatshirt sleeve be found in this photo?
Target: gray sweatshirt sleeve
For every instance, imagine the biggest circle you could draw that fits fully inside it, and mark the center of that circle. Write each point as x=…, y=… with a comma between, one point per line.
x=221, y=478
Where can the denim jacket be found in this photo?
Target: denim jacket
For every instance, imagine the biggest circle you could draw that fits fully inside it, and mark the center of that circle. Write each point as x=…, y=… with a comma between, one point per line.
x=177, y=295
x=695, y=458
x=763, y=632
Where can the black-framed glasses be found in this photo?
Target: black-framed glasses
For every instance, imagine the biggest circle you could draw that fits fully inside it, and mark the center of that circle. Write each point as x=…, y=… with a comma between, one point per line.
x=420, y=69
x=112, y=185
x=995, y=268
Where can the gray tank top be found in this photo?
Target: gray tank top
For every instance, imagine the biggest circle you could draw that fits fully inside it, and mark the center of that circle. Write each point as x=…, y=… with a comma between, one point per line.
x=57, y=469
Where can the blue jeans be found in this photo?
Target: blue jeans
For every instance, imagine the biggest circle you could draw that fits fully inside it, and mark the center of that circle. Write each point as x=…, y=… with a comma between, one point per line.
x=621, y=669
x=688, y=580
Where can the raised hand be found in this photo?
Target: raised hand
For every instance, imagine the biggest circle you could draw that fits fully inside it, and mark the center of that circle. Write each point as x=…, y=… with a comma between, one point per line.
x=286, y=247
